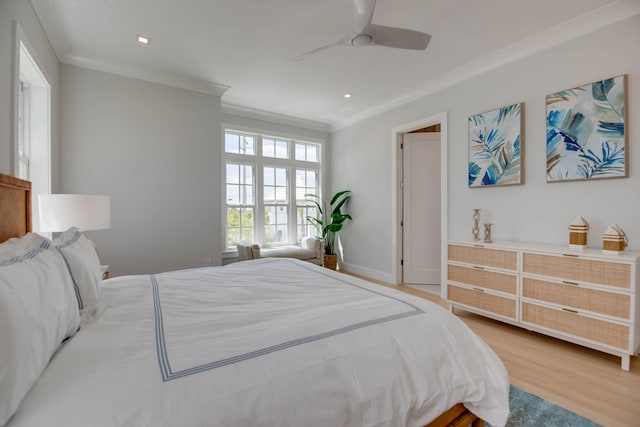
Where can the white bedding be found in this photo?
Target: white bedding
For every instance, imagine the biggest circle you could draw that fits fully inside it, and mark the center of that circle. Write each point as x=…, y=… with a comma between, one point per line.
x=271, y=342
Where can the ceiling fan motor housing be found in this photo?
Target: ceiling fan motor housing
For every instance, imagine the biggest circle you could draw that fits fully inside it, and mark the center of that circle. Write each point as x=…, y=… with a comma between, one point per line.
x=361, y=40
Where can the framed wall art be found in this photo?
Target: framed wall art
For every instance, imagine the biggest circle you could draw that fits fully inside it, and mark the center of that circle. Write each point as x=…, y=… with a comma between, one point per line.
x=586, y=136
x=495, y=146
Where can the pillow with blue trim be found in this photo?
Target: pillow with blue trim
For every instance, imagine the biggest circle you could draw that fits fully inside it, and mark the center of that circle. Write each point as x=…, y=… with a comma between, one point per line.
x=18, y=245
x=84, y=266
x=38, y=310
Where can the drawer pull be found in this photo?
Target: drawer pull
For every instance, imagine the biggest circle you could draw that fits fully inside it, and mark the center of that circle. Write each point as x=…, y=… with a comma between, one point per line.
x=570, y=311
x=478, y=267
x=570, y=283
x=571, y=255
x=478, y=246
x=478, y=289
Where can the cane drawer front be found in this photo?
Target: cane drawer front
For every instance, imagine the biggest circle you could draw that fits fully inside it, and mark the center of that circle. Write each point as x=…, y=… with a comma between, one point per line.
x=578, y=269
x=572, y=296
x=481, y=278
x=601, y=331
x=482, y=256
x=484, y=301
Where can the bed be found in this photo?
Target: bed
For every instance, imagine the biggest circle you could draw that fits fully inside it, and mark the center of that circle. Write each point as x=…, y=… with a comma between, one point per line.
x=273, y=342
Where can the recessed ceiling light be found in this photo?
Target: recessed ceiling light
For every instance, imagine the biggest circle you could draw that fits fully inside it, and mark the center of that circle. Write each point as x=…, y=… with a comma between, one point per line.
x=347, y=95
x=143, y=39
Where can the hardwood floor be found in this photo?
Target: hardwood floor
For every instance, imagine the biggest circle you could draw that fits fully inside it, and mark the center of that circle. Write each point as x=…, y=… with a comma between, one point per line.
x=587, y=382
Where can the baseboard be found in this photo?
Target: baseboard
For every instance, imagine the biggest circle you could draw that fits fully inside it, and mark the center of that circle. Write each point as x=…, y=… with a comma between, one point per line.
x=368, y=272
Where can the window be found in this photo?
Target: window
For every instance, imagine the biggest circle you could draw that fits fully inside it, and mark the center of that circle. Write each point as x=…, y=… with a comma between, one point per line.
x=308, y=152
x=32, y=126
x=306, y=183
x=238, y=143
x=275, y=191
x=266, y=179
x=240, y=202
x=275, y=148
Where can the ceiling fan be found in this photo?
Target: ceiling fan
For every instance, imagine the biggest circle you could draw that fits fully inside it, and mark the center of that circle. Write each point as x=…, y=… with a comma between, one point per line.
x=364, y=33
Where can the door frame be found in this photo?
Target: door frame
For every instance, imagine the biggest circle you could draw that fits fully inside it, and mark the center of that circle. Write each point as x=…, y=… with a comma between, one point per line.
x=396, y=195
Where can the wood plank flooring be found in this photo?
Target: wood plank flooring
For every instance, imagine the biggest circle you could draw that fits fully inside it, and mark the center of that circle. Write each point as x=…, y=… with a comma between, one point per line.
x=587, y=382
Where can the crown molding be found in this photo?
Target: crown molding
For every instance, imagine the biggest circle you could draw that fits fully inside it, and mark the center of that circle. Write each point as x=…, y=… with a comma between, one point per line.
x=268, y=116
x=140, y=73
x=49, y=17
x=579, y=26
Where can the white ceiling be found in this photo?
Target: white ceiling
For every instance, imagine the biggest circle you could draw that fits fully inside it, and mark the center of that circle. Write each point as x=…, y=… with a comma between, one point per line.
x=241, y=48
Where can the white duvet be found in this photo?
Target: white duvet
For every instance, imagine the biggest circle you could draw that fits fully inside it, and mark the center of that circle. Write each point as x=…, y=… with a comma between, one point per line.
x=270, y=342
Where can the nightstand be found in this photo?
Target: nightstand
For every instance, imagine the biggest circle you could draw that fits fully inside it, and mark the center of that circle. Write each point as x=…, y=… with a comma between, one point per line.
x=104, y=269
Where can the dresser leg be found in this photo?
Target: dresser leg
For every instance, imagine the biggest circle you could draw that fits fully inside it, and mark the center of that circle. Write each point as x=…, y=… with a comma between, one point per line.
x=626, y=362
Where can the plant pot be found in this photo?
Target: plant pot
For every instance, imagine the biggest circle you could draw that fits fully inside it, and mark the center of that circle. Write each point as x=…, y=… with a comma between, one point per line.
x=330, y=261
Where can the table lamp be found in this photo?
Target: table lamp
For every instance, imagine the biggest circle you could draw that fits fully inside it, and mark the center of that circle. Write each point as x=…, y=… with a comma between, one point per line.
x=59, y=212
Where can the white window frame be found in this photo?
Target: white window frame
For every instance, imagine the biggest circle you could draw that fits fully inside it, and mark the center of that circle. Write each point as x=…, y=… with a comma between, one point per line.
x=258, y=161
x=36, y=123
x=22, y=170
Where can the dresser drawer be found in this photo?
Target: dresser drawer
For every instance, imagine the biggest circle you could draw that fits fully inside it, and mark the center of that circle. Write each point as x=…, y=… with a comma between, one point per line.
x=481, y=278
x=483, y=301
x=581, y=270
x=481, y=256
x=611, y=304
x=601, y=331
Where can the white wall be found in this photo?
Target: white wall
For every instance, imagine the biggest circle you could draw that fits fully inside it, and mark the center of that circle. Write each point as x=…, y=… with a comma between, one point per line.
x=42, y=52
x=156, y=151
x=535, y=211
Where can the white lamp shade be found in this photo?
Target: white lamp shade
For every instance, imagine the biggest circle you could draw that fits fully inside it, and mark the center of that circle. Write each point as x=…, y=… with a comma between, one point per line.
x=59, y=212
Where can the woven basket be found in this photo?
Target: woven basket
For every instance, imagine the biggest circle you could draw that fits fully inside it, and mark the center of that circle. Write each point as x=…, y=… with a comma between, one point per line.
x=612, y=243
x=578, y=233
x=614, y=240
x=330, y=261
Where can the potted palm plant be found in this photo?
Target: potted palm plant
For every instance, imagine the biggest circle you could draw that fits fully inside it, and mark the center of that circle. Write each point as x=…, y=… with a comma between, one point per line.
x=329, y=221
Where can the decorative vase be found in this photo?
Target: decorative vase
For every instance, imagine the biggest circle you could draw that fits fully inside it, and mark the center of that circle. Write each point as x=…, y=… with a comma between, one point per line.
x=330, y=261
x=487, y=232
x=475, y=230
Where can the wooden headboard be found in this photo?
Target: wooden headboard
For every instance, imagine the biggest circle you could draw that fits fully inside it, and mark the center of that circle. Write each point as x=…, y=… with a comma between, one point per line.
x=15, y=207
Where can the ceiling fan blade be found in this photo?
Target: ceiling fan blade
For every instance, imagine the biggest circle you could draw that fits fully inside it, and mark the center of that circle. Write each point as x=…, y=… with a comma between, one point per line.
x=343, y=41
x=309, y=53
x=401, y=38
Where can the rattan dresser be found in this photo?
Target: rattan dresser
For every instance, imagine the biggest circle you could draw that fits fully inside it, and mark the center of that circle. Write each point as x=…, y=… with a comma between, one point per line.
x=586, y=297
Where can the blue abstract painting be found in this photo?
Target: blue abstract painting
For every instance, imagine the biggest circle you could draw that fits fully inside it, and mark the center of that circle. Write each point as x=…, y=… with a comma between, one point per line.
x=586, y=132
x=495, y=147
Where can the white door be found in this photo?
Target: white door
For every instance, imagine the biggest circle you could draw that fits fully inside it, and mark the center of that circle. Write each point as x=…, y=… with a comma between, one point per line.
x=421, y=208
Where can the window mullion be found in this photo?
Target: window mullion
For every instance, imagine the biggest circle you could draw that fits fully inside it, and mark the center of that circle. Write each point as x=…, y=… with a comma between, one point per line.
x=293, y=210
x=258, y=222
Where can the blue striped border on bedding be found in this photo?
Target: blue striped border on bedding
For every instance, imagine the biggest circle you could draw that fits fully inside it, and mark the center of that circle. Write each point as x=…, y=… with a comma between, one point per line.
x=163, y=357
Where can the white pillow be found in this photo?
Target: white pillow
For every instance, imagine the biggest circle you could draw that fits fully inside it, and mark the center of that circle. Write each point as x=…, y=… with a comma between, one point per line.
x=17, y=245
x=84, y=266
x=38, y=310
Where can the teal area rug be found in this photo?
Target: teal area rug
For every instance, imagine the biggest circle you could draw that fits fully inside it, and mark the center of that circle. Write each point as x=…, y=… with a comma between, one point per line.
x=528, y=410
